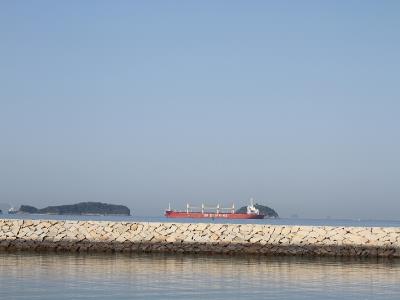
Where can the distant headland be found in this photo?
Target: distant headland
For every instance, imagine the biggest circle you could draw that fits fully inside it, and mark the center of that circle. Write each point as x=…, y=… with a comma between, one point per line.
x=82, y=208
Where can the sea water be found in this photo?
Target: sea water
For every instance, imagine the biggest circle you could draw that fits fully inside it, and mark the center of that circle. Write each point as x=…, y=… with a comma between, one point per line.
x=166, y=276
x=279, y=221
x=27, y=275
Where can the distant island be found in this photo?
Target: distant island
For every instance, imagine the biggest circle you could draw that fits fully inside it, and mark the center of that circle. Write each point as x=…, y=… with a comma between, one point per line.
x=82, y=208
x=265, y=210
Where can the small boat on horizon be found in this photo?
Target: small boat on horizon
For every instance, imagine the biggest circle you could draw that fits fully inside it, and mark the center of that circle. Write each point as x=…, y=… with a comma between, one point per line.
x=216, y=212
x=12, y=211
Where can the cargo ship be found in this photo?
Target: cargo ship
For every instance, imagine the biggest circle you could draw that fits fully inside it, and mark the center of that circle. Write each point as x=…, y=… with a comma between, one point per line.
x=216, y=212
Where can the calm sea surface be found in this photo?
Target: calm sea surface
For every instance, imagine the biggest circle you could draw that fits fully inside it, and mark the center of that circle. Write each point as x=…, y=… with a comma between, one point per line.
x=282, y=221
x=157, y=276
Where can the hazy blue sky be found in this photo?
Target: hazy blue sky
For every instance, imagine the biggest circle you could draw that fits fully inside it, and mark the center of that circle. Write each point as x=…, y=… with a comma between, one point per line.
x=296, y=104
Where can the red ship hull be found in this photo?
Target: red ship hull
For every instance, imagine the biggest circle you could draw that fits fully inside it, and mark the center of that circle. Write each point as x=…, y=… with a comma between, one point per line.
x=210, y=215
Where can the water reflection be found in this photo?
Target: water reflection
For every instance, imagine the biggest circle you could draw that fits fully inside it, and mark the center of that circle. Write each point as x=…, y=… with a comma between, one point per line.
x=82, y=276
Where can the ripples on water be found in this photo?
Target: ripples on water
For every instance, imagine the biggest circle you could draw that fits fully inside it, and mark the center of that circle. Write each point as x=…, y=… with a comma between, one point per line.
x=161, y=276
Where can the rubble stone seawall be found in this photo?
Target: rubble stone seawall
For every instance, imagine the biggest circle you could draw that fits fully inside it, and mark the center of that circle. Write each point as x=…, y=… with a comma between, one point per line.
x=104, y=236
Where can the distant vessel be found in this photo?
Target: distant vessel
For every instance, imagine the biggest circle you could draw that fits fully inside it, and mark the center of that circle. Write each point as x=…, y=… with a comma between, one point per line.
x=12, y=211
x=217, y=212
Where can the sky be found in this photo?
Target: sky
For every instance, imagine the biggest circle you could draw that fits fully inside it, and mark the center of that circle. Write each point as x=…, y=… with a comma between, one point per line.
x=142, y=103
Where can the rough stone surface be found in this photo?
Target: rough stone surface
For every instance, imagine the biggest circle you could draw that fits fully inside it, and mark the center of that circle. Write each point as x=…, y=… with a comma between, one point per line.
x=78, y=236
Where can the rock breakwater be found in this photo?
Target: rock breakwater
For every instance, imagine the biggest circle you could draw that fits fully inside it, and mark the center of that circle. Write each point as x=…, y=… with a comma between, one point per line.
x=104, y=236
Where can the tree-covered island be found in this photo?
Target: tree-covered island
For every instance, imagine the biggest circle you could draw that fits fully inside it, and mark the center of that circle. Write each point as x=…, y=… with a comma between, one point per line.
x=82, y=208
x=264, y=210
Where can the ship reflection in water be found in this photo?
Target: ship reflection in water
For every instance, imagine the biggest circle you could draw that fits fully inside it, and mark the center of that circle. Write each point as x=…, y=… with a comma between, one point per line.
x=155, y=276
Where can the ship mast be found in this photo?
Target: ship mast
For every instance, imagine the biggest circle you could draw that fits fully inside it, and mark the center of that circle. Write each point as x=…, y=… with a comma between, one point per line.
x=251, y=202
